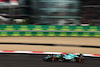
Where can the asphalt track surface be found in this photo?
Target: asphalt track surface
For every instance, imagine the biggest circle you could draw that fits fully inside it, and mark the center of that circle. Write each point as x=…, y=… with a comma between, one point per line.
x=26, y=60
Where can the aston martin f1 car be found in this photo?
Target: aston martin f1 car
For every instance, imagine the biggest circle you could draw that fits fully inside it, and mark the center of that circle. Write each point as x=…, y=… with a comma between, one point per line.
x=64, y=57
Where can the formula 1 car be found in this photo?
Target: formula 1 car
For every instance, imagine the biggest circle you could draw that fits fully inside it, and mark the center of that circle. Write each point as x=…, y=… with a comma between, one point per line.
x=64, y=57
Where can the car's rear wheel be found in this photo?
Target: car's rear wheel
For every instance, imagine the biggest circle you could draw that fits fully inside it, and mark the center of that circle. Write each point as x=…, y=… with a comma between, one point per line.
x=80, y=59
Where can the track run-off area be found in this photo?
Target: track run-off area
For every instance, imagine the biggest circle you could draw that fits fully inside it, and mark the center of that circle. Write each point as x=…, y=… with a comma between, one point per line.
x=87, y=45
x=32, y=60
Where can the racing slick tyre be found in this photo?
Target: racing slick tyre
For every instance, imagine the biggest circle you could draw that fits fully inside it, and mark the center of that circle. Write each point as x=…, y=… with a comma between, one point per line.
x=53, y=59
x=80, y=59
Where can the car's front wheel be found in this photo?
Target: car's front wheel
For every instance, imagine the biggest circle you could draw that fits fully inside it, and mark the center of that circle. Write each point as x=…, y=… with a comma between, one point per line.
x=53, y=59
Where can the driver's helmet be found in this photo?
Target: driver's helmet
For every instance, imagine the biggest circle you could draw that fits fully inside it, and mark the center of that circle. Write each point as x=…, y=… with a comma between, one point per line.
x=62, y=55
x=81, y=54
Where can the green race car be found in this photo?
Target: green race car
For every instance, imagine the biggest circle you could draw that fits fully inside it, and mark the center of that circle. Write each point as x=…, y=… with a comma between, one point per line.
x=64, y=57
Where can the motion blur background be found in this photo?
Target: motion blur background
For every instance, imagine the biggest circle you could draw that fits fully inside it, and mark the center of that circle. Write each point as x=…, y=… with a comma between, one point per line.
x=67, y=23
x=70, y=26
x=50, y=12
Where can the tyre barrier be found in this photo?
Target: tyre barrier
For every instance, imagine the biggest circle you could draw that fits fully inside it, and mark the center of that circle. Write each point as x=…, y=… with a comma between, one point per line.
x=50, y=27
x=62, y=34
x=49, y=30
